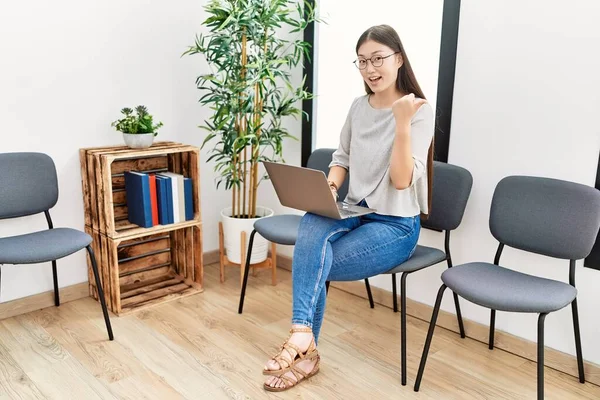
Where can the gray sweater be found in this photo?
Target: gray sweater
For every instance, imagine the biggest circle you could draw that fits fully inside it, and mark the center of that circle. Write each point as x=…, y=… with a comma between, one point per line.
x=365, y=151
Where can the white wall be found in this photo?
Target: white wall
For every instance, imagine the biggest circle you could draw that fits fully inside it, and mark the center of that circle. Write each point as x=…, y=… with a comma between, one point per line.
x=67, y=69
x=525, y=102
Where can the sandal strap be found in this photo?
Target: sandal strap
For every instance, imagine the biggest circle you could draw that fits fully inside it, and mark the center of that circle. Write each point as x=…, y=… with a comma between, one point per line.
x=291, y=356
x=297, y=371
x=289, y=382
x=289, y=345
x=281, y=360
x=304, y=329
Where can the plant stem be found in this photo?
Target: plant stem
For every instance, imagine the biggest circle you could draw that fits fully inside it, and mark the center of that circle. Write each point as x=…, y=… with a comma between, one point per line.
x=245, y=174
x=244, y=125
x=234, y=191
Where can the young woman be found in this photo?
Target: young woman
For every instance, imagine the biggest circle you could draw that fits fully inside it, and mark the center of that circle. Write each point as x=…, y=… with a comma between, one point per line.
x=386, y=144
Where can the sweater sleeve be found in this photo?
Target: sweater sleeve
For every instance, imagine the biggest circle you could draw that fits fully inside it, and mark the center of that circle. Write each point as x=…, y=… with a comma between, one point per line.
x=341, y=157
x=421, y=135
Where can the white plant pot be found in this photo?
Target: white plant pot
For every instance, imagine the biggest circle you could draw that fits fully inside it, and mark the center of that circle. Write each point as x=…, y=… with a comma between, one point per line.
x=232, y=230
x=138, y=140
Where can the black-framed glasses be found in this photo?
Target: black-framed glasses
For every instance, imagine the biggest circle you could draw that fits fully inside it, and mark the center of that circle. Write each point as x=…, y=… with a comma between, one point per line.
x=376, y=61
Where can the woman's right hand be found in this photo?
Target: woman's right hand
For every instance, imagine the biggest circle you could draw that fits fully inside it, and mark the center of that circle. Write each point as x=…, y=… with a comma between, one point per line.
x=334, y=193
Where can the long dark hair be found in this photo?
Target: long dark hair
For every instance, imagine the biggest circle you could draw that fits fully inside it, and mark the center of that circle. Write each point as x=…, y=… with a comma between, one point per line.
x=406, y=83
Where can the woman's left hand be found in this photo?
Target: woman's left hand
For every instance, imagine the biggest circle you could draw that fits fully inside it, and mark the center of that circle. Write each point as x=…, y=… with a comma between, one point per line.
x=405, y=107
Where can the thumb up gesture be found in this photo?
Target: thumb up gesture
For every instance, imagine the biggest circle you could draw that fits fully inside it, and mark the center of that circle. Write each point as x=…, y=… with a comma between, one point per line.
x=405, y=107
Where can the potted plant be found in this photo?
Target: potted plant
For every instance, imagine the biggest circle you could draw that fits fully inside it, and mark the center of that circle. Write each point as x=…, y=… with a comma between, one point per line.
x=138, y=129
x=250, y=92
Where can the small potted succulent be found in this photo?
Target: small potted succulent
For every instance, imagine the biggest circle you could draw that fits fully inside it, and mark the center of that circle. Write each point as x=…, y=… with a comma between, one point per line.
x=138, y=129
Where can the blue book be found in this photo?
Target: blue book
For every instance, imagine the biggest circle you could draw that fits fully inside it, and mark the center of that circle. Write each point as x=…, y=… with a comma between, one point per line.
x=137, y=192
x=169, y=192
x=161, y=194
x=189, y=199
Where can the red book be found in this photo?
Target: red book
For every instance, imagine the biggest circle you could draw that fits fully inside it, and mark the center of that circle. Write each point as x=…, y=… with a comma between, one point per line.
x=153, y=200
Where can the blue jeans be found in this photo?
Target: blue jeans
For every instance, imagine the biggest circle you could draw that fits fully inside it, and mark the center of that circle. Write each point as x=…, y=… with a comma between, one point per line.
x=345, y=250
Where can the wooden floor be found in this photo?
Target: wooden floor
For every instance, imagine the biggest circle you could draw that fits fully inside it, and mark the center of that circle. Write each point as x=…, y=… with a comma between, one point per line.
x=200, y=348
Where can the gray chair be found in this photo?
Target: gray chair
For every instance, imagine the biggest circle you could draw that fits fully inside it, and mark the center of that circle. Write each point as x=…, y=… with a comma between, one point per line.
x=283, y=229
x=546, y=216
x=451, y=190
x=28, y=186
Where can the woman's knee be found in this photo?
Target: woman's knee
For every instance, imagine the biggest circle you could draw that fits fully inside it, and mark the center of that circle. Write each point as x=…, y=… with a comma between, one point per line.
x=312, y=224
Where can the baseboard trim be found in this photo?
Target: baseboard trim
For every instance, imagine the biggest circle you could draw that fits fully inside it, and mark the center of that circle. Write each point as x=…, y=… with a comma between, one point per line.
x=211, y=257
x=42, y=300
x=554, y=359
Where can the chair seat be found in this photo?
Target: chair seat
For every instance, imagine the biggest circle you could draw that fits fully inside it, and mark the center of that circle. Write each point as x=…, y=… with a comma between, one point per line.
x=42, y=246
x=503, y=289
x=423, y=257
x=280, y=229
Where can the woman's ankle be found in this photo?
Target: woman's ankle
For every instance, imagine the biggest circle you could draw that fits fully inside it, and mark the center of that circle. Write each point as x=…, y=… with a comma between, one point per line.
x=302, y=335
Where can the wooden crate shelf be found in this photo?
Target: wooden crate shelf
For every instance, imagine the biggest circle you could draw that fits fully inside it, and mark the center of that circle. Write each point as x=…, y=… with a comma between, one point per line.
x=140, y=267
x=152, y=269
x=103, y=182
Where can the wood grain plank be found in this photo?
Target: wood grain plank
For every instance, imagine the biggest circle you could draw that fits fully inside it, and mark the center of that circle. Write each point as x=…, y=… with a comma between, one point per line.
x=140, y=277
x=85, y=189
x=156, y=293
x=149, y=245
x=198, y=256
x=194, y=160
x=188, y=236
x=144, y=262
x=104, y=269
x=14, y=382
x=119, y=196
x=139, y=164
x=46, y=362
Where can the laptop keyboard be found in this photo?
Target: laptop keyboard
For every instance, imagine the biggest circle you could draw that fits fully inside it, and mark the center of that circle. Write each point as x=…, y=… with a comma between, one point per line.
x=344, y=212
x=347, y=213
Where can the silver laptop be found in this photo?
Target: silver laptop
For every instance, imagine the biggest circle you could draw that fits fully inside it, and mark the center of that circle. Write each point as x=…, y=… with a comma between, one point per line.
x=307, y=190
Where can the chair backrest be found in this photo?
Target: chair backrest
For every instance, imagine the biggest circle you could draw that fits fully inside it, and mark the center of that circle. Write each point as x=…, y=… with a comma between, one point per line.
x=28, y=184
x=320, y=159
x=451, y=190
x=546, y=216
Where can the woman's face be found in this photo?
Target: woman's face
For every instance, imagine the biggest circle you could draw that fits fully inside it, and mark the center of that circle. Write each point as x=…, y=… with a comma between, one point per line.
x=384, y=73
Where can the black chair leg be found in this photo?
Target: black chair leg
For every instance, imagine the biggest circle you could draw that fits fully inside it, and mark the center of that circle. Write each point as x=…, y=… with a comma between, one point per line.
x=578, y=341
x=55, y=277
x=461, y=326
x=327, y=287
x=436, y=309
x=100, y=292
x=394, y=293
x=246, y=271
x=371, y=302
x=403, y=325
x=492, y=329
x=540, y=357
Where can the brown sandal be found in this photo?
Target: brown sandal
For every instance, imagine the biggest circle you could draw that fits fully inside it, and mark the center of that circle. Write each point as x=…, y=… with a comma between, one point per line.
x=298, y=373
x=286, y=363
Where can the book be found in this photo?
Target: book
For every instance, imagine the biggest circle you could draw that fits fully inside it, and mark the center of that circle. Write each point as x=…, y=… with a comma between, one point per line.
x=137, y=193
x=178, y=195
x=169, y=194
x=189, y=199
x=163, y=201
x=153, y=199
